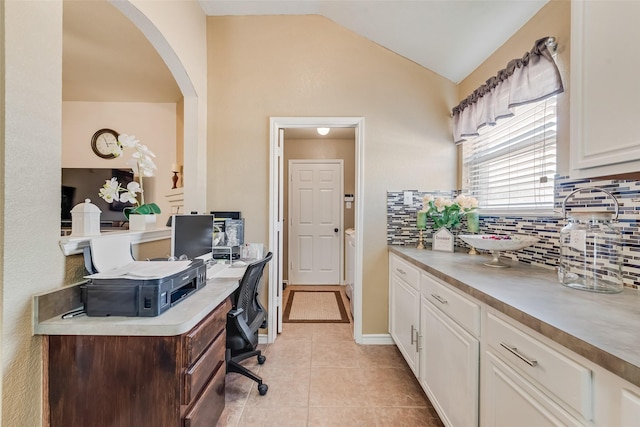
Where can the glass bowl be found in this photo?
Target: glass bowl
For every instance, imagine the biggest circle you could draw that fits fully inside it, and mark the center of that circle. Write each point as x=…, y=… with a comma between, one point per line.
x=496, y=243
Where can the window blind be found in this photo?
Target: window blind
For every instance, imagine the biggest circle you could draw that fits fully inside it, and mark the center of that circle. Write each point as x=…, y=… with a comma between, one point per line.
x=512, y=165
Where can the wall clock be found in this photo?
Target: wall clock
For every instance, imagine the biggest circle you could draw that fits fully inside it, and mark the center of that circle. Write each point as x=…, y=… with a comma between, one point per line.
x=103, y=142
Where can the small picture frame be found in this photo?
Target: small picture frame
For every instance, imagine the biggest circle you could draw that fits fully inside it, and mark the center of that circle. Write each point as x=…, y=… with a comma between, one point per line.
x=442, y=240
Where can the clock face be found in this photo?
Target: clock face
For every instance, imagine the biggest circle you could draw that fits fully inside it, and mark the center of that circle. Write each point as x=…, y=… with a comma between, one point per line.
x=103, y=143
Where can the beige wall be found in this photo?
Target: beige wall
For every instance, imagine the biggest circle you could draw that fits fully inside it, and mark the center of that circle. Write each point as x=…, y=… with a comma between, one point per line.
x=30, y=152
x=309, y=66
x=303, y=149
x=554, y=19
x=32, y=261
x=154, y=124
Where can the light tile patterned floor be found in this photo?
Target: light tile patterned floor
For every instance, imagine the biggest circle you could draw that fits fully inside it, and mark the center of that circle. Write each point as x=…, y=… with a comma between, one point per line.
x=318, y=376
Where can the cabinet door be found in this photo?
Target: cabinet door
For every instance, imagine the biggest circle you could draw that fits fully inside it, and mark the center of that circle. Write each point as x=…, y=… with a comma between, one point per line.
x=605, y=138
x=630, y=414
x=449, y=365
x=404, y=316
x=510, y=400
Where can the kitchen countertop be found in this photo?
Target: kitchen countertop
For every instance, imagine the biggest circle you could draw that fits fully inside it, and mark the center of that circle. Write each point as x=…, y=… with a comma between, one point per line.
x=603, y=328
x=177, y=320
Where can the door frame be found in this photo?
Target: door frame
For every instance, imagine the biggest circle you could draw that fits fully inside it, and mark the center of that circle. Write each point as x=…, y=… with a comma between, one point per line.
x=339, y=162
x=276, y=125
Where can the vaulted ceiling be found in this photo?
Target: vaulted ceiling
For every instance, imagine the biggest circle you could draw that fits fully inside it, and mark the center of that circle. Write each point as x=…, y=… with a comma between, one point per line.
x=106, y=58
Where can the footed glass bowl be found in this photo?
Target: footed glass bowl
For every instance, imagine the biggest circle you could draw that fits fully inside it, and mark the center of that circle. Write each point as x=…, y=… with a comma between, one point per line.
x=496, y=243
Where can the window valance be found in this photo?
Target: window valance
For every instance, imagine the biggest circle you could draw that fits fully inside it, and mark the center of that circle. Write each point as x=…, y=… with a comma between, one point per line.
x=531, y=78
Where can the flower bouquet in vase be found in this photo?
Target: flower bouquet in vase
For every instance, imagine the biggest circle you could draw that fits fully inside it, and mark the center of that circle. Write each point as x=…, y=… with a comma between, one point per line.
x=141, y=216
x=446, y=215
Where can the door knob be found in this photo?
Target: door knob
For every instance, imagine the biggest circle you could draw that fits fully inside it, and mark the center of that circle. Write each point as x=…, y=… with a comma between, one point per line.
x=336, y=230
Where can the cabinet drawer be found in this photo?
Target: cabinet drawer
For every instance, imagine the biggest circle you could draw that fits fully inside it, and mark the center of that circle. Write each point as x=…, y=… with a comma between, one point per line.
x=460, y=308
x=208, y=408
x=405, y=271
x=199, y=338
x=562, y=376
x=197, y=375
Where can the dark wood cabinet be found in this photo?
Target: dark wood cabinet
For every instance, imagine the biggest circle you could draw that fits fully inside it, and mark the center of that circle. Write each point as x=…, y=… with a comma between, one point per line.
x=137, y=381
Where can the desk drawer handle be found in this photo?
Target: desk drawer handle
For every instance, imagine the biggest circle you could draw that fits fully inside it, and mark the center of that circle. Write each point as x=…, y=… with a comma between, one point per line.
x=401, y=271
x=439, y=299
x=515, y=352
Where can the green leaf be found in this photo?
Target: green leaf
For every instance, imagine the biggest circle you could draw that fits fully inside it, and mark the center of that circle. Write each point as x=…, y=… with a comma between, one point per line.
x=146, y=209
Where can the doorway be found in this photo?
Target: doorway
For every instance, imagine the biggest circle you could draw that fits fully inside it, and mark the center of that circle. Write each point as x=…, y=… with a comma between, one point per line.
x=277, y=214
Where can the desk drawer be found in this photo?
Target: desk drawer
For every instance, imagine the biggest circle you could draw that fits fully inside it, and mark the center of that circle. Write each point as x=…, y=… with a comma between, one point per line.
x=405, y=271
x=199, y=338
x=197, y=375
x=460, y=308
x=206, y=411
x=555, y=372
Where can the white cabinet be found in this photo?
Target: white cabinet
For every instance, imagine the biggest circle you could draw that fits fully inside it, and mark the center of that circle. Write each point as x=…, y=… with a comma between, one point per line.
x=605, y=137
x=449, y=367
x=436, y=329
x=404, y=309
x=630, y=408
x=510, y=400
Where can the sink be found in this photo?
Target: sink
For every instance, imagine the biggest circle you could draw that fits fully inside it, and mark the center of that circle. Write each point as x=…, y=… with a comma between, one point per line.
x=496, y=243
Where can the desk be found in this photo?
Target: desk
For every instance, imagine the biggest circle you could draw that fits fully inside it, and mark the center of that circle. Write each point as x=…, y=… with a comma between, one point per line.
x=166, y=370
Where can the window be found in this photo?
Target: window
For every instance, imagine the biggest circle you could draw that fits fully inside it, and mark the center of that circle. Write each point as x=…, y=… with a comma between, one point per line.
x=511, y=166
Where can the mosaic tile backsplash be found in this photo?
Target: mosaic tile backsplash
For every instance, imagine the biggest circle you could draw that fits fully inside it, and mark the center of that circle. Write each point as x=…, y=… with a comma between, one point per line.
x=401, y=222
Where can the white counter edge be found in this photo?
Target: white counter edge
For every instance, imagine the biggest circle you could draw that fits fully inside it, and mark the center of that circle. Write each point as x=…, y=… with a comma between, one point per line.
x=75, y=245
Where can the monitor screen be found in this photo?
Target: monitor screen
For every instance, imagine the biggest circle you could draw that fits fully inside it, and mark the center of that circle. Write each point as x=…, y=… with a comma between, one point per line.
x=192, y=235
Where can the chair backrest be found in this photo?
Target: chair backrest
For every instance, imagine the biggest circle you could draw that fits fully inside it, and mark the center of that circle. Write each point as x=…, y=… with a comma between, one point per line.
x=247, y=295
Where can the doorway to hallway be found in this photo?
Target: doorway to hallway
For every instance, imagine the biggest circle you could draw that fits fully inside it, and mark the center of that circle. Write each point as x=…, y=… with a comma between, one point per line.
x=278, y=215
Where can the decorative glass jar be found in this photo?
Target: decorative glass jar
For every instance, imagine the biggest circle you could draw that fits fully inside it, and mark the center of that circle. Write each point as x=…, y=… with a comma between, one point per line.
x=591, y=250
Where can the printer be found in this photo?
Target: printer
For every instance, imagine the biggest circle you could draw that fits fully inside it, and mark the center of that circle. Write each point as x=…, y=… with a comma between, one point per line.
x=141, y=297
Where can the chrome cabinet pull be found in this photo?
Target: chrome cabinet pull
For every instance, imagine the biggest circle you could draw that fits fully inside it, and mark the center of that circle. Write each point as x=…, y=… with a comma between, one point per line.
x=439, y=299
x=412, y=331
x=401, y=271
x=418, y=338
x=515, y=352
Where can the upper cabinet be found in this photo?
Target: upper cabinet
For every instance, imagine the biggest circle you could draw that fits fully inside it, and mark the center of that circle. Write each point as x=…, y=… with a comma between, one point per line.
x=605, y=88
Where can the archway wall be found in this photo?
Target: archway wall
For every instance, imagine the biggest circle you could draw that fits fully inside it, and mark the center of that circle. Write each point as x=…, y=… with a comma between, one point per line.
x=178, y=31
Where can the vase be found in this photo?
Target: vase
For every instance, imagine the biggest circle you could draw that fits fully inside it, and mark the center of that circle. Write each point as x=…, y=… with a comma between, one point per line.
x=473, y=222
x=140, y=222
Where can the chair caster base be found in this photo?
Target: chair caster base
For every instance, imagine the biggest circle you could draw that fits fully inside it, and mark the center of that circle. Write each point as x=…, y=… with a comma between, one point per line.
x=262, y=389
x=261, y=359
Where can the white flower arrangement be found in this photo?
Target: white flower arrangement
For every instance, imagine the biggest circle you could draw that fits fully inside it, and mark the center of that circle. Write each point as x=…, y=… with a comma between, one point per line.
x=143, y=166
x=446, y=212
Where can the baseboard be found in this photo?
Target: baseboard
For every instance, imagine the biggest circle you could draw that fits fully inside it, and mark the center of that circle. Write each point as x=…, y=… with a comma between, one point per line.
x=263, y=339
x=377, y=339
x=369, y=339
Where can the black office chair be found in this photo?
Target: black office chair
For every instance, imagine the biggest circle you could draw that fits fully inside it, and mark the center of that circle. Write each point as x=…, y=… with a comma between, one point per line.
x=243, y=321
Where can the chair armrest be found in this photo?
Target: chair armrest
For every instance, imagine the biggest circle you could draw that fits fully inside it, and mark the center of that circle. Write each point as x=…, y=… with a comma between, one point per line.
x=232, y=314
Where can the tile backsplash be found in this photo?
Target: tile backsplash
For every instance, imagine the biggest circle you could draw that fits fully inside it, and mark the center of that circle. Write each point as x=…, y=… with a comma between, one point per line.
x=401, y=222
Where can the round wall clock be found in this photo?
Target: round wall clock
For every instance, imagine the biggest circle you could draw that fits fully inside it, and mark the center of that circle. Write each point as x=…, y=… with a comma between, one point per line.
x=103, y=143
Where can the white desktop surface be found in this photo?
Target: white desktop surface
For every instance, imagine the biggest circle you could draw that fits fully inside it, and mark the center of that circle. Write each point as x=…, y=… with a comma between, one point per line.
x=177, y=320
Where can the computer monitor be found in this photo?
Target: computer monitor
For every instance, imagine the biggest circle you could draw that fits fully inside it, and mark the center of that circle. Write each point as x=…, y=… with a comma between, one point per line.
x=192, y=235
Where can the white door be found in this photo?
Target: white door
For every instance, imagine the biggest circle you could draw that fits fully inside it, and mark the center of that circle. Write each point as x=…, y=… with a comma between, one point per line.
x=315, y=221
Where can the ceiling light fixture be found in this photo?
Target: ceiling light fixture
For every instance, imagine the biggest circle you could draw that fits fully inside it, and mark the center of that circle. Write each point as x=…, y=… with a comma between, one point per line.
x=323, y=131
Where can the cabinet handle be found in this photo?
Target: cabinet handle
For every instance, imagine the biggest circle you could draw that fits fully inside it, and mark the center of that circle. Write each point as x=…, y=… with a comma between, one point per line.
x=439, y=299
x=412, y=331
x=418, y=338
x=401, y=271
x=515, y=352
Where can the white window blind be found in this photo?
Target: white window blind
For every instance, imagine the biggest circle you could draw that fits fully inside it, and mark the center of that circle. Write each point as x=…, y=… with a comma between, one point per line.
x=511, y=166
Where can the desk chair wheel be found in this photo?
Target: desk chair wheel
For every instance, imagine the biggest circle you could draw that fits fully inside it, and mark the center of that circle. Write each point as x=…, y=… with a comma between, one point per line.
x=261, y=360
x=262, y=389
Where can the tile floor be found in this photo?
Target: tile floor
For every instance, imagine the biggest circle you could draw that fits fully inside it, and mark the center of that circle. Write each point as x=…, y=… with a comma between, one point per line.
x=318, y=376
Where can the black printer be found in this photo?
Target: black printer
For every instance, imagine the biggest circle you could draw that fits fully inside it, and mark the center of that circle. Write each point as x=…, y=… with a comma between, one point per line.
x=144, y=297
